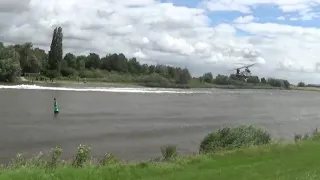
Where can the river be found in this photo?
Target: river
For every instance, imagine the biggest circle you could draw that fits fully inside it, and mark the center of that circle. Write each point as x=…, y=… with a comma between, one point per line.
x=133, y=123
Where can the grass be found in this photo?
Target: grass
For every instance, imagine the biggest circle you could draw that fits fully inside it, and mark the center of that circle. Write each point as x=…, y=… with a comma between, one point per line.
x=317, y=89
x=274, y=161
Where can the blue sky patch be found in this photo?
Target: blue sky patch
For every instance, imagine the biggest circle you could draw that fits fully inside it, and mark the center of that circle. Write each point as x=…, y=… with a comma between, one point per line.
x=185, y=3
x=263, y=13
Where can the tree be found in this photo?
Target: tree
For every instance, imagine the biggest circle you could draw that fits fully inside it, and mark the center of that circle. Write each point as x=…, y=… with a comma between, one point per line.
x=29, y=62
x=9, y=65
x=70, y=60
x=301, y=84
x=222, y=80
x=253, y=79
x=56, y=52
x=263, y=80
x=207, y=77
x=286, y=84
x=93, y=61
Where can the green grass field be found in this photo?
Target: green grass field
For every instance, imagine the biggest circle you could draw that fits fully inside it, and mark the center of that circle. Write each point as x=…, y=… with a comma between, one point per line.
x=296, y=161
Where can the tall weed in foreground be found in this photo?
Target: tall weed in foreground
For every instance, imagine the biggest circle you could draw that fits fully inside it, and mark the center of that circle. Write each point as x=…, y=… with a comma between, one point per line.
x=314, y=135
x=37, y=160
x=230, y=138
x=18, y=161
x=55, y=158
x=108, y=158
x=169, y=152
x=83, y=155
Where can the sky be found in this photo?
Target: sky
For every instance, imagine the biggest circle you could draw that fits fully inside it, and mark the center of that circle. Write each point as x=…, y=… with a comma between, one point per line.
x=281, y=36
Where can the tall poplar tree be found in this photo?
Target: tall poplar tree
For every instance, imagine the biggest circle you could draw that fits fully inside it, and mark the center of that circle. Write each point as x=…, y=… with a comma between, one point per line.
x=56, y=52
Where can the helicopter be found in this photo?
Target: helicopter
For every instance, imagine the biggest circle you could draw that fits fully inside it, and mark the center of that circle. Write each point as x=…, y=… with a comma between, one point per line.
x=243, y=74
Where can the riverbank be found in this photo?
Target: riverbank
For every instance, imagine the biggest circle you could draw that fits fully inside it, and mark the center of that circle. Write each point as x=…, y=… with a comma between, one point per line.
x=274, y=161
x=225, y=154
x=317, y=89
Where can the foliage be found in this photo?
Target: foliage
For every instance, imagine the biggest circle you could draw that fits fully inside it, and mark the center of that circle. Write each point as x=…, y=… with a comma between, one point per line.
x=56, y=52
x=82, y=156
x=25, y=58
x=222, y=80
x=278, y=82
x=231, y=138
x=298, y=161
x=301, y=84
x=108, y=158
x=240, y=81
x=9, y=64
x=302, y=155
x=315, y=135
x=169, y=152
x=55, y=158
x=207, y=77
x=9, y=70
x=106, y=68
x=253, y=79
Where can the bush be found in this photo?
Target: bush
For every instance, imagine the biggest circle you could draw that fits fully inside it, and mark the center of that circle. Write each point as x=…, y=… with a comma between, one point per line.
x=315, y=135
x=83, y=155
x=108, y=158
x=301, y=84
x=9, y=70
x=86, y=74
x=169, y=152
x=56, y=153
x=156, y=80
x=69, y=72
x=231, y=138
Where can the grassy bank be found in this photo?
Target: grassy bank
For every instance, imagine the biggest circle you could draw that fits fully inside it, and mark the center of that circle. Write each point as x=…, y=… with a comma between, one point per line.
x=276, y=161
x=317, y=89
x=231, y=157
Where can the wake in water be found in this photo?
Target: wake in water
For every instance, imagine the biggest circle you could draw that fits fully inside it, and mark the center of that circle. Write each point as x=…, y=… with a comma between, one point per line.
x=106, y=89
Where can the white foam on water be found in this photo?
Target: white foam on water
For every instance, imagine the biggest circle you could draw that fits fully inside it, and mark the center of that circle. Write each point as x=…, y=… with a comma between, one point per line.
x=104, y=89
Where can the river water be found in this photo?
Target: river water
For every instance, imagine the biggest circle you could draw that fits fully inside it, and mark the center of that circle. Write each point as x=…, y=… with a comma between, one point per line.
x=133, y=123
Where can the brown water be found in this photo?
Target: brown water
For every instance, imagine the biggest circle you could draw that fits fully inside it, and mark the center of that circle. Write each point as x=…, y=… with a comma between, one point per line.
x=134, y=126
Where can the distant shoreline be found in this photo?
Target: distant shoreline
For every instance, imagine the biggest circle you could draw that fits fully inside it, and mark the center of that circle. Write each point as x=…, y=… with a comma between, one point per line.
x=136, y=84
x=155, y=85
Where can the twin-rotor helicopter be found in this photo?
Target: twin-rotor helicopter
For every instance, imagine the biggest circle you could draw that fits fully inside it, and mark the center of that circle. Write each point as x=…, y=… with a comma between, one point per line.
x=245, y=73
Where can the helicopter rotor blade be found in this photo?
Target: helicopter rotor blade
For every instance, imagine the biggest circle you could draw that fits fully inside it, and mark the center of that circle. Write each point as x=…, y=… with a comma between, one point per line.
x=251, y=65
x=247, y=66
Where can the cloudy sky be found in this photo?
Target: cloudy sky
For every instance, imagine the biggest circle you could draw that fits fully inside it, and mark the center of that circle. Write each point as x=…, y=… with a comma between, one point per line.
x=282, y=36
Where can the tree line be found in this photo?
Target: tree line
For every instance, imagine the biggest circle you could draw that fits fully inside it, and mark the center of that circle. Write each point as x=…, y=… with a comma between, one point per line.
x=22, y=59
x=25, y=59
x=234, y=80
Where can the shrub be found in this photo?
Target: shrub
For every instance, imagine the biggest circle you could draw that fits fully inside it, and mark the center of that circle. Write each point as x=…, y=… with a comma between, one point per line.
x=156, y=79
x=315, y=135
x=108, y=158
x=55, y=158
x=83, y=155
x=169, y=152
x=86, y=74
x=69, y=72
x=230, y=138
x=19, y=161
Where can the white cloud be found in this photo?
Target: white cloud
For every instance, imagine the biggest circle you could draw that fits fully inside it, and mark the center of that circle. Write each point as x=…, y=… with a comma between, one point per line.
x=305, y=8
x=244, y=19
x=281, y=18
x=157, y=32
x=288, y=48
x=294, y=19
